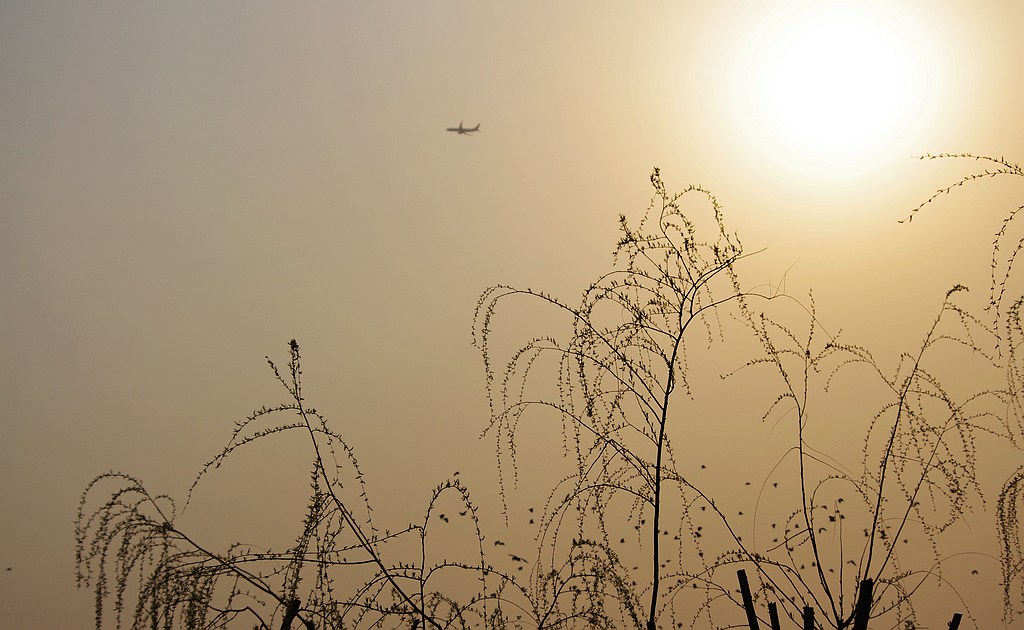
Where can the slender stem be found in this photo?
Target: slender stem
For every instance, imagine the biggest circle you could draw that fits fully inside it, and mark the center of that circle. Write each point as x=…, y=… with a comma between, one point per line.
x=670, y=383
x=364, y=541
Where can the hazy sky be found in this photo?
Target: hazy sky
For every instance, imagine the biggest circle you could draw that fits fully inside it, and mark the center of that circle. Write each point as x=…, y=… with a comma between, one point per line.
x=188, y=185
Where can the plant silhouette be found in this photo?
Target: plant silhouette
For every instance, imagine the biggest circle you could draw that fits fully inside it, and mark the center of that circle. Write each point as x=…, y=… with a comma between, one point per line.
x=340, y=557
x=634, y=532
x=625, y=358
x=632, y=338
x=1003, y=310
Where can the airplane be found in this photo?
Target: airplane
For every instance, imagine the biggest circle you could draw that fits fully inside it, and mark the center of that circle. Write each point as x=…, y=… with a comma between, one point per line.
x=464, y=130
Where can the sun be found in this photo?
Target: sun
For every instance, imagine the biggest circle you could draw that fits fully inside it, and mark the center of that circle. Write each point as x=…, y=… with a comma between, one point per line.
x=831, y=83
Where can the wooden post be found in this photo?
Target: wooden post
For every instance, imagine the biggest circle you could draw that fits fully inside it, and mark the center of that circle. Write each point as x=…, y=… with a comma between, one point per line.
x=955, y=623
x=808, y=618
x=748, y=601
x=773, y=615
x=860, y=616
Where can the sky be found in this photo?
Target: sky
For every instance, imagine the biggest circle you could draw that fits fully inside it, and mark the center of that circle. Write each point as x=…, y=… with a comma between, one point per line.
x=188, y=185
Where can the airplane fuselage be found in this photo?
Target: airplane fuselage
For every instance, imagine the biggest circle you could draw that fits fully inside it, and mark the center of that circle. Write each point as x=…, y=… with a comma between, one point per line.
x=464, y=130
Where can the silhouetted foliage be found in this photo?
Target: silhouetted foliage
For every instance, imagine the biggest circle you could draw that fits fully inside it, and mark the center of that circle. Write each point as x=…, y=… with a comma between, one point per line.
x=337, y=574
x=625, y=358
x=631, y=535
x=629, y=350
x=1004, y=311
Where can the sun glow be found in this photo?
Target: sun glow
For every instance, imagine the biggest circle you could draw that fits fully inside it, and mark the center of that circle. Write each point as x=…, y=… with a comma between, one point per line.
x=832, y=83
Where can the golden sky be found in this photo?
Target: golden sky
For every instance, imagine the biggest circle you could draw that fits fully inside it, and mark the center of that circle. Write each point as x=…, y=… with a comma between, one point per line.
x=188, y=185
